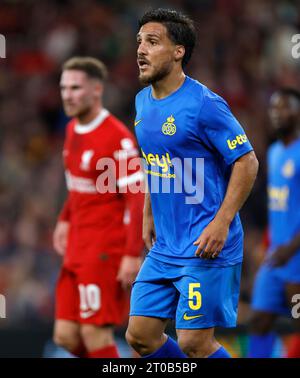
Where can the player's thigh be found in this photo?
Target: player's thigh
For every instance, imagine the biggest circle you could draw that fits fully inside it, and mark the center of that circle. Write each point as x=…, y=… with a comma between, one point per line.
x=153, y=294
x=208, y=297
x=293, y=298
x=268, y=295
x=96, y=337
x=142, y=330
x=102, y=299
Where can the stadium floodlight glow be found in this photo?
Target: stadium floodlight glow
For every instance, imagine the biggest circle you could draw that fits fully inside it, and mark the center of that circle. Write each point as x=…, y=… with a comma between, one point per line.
x=2, y=307
x=2, y=47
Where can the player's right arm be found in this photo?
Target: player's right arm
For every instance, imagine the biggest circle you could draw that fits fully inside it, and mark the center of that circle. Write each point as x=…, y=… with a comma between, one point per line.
x=61, y=231
x=148, y=223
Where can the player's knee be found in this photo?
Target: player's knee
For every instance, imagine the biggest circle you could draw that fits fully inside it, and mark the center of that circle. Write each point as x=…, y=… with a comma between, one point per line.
x=195, y=346
x=88, y=333
x=133, y=339
x=96, y=335
x=138, y=341
x=67, y=340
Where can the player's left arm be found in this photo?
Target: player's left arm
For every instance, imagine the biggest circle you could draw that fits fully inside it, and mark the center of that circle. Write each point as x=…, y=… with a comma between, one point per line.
x=242, y=178
x=221, y=131
x=131, y=261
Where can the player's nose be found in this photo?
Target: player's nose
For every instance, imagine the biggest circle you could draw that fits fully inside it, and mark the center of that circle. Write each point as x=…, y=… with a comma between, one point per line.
x=141, y=51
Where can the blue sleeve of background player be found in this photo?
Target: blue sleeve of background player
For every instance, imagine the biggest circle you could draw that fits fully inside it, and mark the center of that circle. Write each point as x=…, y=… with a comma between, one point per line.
x=221, y=130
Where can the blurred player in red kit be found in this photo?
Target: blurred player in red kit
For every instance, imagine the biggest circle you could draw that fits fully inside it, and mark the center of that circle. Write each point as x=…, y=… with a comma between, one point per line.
x=99, y=230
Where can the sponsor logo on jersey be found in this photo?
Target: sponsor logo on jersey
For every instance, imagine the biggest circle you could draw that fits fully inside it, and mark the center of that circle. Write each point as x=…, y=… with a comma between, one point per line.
x=187, y=317
x=288, y=170
x=169, y=128
x=128, y=150
x=239, y=139
x=80, y=184
x=163, y=161
x=278, y=197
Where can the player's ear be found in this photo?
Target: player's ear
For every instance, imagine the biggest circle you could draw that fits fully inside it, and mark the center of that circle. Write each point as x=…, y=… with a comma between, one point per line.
x=179, y=52
x=98, y=88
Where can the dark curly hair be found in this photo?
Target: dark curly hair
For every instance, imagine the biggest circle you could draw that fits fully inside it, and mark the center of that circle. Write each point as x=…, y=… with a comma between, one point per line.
x=180, y=28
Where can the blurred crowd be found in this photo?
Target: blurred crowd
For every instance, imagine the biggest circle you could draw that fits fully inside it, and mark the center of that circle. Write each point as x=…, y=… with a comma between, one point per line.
x=243, y=53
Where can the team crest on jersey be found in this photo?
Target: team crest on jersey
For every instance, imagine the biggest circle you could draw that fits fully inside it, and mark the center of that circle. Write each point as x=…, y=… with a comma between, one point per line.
x=169, y=128
x=288, y=170
x=86, y=160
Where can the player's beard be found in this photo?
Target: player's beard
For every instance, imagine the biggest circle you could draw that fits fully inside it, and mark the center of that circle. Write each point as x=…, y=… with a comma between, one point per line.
x=77, y=112
x=156, y=76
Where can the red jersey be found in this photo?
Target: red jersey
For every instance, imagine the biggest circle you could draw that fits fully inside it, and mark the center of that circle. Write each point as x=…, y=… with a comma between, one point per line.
x=100, y=161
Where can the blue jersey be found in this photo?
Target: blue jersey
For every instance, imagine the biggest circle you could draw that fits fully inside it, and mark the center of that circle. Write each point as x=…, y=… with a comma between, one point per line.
x=284, y=224
x=283, y=192
x=189, y=141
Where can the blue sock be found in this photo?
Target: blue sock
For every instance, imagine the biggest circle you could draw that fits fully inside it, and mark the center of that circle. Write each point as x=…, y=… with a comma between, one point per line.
x=261, y=346
x=169, y=349
x=220, y=353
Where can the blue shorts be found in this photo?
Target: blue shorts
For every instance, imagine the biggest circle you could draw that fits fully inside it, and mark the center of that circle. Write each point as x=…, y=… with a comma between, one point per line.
x=269, y=287
x=196, y=297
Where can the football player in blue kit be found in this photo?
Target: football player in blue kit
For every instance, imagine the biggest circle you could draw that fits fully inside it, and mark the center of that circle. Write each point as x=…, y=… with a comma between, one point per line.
x=278, y=279
x=200, y=168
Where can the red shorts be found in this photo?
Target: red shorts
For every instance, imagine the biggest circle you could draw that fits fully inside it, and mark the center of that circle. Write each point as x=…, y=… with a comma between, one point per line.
x=91, y=294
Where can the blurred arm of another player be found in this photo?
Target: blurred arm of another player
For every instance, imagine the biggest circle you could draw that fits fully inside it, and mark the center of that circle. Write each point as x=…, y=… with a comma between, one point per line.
x=131, y=261
x=283, y=253
x=213, y=237
x=61, y=231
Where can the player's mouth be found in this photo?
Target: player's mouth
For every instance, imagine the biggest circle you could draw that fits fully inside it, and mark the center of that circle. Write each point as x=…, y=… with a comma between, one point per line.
x=143, y=63
x=69, y=105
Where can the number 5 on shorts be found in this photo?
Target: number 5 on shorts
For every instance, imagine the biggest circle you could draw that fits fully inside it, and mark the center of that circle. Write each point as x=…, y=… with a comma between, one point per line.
x=195, y=298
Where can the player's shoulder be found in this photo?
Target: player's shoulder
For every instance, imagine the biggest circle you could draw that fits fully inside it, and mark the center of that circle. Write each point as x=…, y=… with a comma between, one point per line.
x=274, y=149
x=70, y=126
x=296, y=146
x=212, y=99
x=142, y=94
x=117, y=128
x=206, y=99
x=275, y=146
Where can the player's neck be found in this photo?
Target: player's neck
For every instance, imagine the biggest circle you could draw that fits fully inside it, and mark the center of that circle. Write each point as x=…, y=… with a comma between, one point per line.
x=290, y=138
x=85, y=119
x=168, y=84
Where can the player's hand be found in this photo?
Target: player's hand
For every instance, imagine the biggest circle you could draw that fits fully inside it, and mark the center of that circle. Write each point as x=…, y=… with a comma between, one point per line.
x=280, y=256
x=148, y=231
x=60, y=237
x=212, y=239
x=128, y=270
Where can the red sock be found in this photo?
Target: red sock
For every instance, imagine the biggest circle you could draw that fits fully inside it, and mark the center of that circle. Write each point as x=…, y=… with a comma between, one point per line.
x=294, y=347
x=109, y=351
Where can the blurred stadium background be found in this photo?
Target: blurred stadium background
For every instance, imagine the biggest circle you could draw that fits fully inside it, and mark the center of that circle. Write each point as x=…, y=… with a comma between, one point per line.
x=243, y=53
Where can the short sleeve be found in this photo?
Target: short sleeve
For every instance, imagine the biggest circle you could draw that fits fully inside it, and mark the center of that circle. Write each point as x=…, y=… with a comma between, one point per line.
x=219, y=128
